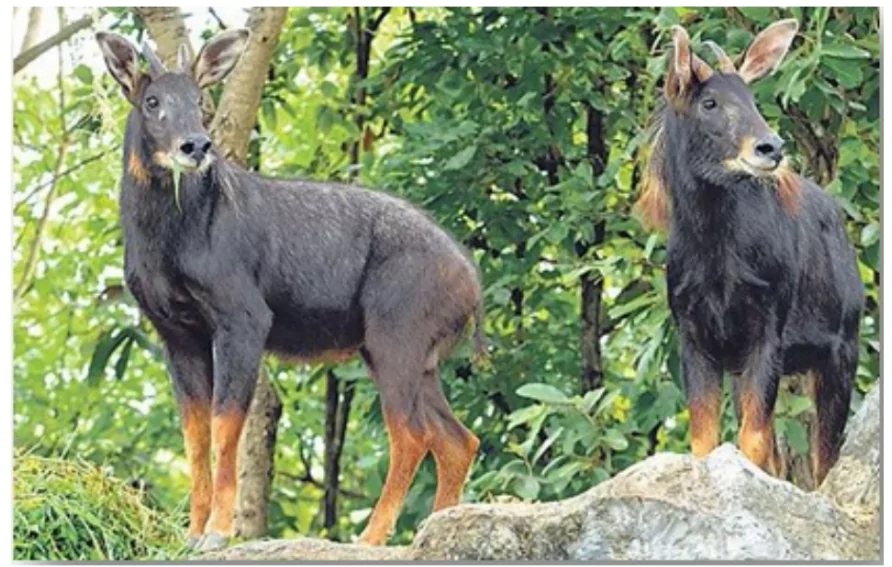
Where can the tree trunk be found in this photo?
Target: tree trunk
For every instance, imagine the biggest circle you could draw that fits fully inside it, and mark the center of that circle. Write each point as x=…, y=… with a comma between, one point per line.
x=32, y=29
x=337, y=412
x=168, y=31
x=591, y=284
x=231, y=130
x=256, y=452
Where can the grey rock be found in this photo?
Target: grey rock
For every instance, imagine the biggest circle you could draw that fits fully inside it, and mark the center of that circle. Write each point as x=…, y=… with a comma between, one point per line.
x=854, y=482
x=667, y=507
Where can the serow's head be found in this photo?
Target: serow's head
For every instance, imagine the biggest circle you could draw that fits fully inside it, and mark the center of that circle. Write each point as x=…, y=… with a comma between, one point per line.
x=723, y=130
x=167, y=103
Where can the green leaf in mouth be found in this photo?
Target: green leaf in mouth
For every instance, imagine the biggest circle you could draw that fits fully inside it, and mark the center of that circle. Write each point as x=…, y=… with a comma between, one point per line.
x=177, y=171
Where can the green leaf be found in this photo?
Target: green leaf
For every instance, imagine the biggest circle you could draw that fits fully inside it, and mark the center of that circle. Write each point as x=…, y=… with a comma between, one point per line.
x=846, y=74
x=870, y=234
x=547, y=443
x=124, y=358
x=871, y=256
x=543, y=393
x=105, y=347
x=758, y=14
x=798, y=404
x=525, y=415
x=177, y=171
x=460, y=159
x=84, y=74
x=527, y=487
x=844, y=51
x=615, y=439
x=796, y=436
x=591, y=398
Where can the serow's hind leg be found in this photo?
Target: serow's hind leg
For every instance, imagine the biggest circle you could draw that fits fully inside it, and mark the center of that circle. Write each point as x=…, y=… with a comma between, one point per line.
x=831, y=394
x=453, y=445
x=408, y=446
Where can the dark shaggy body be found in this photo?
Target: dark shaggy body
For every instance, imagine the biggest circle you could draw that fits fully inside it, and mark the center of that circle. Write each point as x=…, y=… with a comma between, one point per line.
x=762, y=279
x=309, y=270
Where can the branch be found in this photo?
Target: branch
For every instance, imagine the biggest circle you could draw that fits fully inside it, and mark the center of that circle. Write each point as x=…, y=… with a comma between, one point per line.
x=25, y=57
x=377, y=22
x=219, y=20
x=309, y=479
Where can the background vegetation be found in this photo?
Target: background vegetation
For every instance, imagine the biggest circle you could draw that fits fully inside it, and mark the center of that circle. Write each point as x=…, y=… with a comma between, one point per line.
x=519, y=129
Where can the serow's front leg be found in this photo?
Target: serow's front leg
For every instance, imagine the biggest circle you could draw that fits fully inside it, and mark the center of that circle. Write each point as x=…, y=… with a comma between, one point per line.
x=703, y=388
x=238, y=349
x=189, y=363
x=755, y=393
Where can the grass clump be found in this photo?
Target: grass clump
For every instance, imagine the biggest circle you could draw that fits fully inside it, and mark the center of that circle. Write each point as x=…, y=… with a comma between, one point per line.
x=71, y=510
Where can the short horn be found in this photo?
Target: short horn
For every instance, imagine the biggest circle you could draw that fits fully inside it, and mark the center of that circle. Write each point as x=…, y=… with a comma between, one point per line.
x=184, y=60
x=725, y=63
x=155, y=64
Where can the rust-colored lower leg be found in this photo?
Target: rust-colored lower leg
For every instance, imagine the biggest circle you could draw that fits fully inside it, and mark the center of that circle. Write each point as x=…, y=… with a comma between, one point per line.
x=226, y=428
x=756, y=434
x=196, y=424
x=453, y=457
x=407, y=448
x=705, y=410
x=831, y=397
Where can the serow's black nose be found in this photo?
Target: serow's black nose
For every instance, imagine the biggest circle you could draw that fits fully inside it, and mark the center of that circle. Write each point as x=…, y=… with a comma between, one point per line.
x=196, y=147
x=770, y=147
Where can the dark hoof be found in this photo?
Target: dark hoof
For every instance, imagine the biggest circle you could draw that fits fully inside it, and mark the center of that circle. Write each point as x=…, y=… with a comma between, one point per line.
x=213, y=541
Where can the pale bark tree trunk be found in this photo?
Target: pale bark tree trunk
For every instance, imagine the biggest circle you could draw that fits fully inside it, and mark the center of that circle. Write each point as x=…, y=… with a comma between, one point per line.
x=231, y=130
x=168, y=31
x=33, y=27
x=234, y=120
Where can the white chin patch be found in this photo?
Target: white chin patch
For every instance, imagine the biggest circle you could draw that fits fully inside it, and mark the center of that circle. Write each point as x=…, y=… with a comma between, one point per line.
x=189, y=165
x=758, y=169
x=185, y=163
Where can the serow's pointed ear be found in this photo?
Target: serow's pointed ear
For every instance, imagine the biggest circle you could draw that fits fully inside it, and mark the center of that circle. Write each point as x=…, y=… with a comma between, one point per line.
x=219, y=55
x=768, y=49
x=122, y=60
x=684, y=68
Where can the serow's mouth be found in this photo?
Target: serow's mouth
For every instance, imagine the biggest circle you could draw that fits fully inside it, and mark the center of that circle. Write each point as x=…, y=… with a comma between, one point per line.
x=182, y=162
x=755, y=166
x=188, y=163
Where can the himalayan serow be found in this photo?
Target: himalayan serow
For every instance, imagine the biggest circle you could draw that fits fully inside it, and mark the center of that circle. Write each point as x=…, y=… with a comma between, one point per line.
x=762, y=279
x=229, y=264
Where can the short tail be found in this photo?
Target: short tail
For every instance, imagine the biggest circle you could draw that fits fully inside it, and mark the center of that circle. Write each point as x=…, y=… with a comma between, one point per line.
x=479, y=343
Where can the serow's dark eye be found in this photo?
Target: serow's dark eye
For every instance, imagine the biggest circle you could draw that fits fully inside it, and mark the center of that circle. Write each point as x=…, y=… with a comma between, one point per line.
x=709, y=103
x=152, y=102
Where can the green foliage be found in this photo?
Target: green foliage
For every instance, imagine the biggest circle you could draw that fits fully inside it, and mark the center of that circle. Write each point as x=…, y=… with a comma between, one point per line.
x=71, y=510
x=519, y=130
